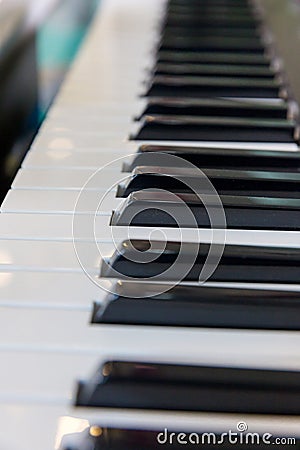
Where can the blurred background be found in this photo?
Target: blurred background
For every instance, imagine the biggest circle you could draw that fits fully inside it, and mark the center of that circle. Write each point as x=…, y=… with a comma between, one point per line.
x=38, y=41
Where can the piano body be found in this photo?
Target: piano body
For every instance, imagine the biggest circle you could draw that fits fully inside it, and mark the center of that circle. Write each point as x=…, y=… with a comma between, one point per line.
x=57, y=237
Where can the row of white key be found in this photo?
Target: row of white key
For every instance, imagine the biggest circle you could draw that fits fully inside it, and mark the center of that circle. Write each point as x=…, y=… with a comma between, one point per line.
x=46, y=344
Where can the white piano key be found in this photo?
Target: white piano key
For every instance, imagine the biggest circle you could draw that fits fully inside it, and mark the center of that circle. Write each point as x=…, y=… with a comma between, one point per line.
x=89, y=124
x=56, y=202
x=64, y=290
x=50, y=290
x=78, y=140
x=67, y=159
x=55, y=227
x=68, y=331
x=92, y=104
x=107, y=86
x=112, y=145
x=58, y=227
x=35, y=425
x=105, y=94
x=42, y=376
x=60, y=111
x=66, y=179
x=16, y=255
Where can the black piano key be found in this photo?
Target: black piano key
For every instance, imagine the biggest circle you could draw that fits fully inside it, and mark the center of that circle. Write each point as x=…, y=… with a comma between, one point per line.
x=200, y=306
x=205, y=9
x=226, y=182
x=181, y=86
x=208, y=17
x=253, y=264
x=227, y=3
x=143, y=385
x=211, y=20
x=210, y=8
x=213, y=3
x=213, y=70
x=161, y=372
x=215, y=107
x=197, y=32
x=224, y=158
x=150, y=209
x=226, y=44
x=200, y=128
x=214, y=58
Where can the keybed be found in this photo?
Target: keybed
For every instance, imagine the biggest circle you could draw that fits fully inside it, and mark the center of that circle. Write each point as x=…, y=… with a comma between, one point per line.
x=48, y=343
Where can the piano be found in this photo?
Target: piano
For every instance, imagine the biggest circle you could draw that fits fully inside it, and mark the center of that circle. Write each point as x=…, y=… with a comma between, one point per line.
x=119, y=327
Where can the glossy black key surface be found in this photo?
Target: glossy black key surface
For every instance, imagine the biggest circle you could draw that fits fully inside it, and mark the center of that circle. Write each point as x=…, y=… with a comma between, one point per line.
x=214, y=6
x=205, y=31
x=239, y=263
x=156, y=372
x=200, y=306
x=158, y=127
x=211, y=20
x=215, y=107
x=226, y=182
x=181, y=86
x=224, y=158
x=213, y=3
x=151, y=209
x=210, y=43
x=212, y=70
x=191, y=388
x=214, y=58
x=208, y=8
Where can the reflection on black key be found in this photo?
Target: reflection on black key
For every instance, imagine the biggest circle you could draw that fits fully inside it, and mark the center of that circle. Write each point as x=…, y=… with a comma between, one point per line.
x=200, y=306
x=151, y=209
x=195, y=128
x=180, y=86
x=224, y=158
x=226, y=182
x=191, y=388
x=239, y=263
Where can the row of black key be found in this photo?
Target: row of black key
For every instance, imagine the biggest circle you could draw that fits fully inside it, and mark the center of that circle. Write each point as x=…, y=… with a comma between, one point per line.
x=216, y=54
x=222, y=60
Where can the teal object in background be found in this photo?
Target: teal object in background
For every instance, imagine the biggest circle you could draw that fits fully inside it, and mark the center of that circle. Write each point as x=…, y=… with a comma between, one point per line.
x=36, y=74
x=58, y=41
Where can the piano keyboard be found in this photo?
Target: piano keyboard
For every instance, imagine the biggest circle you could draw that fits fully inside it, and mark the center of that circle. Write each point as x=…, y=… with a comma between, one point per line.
x=89, y=361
